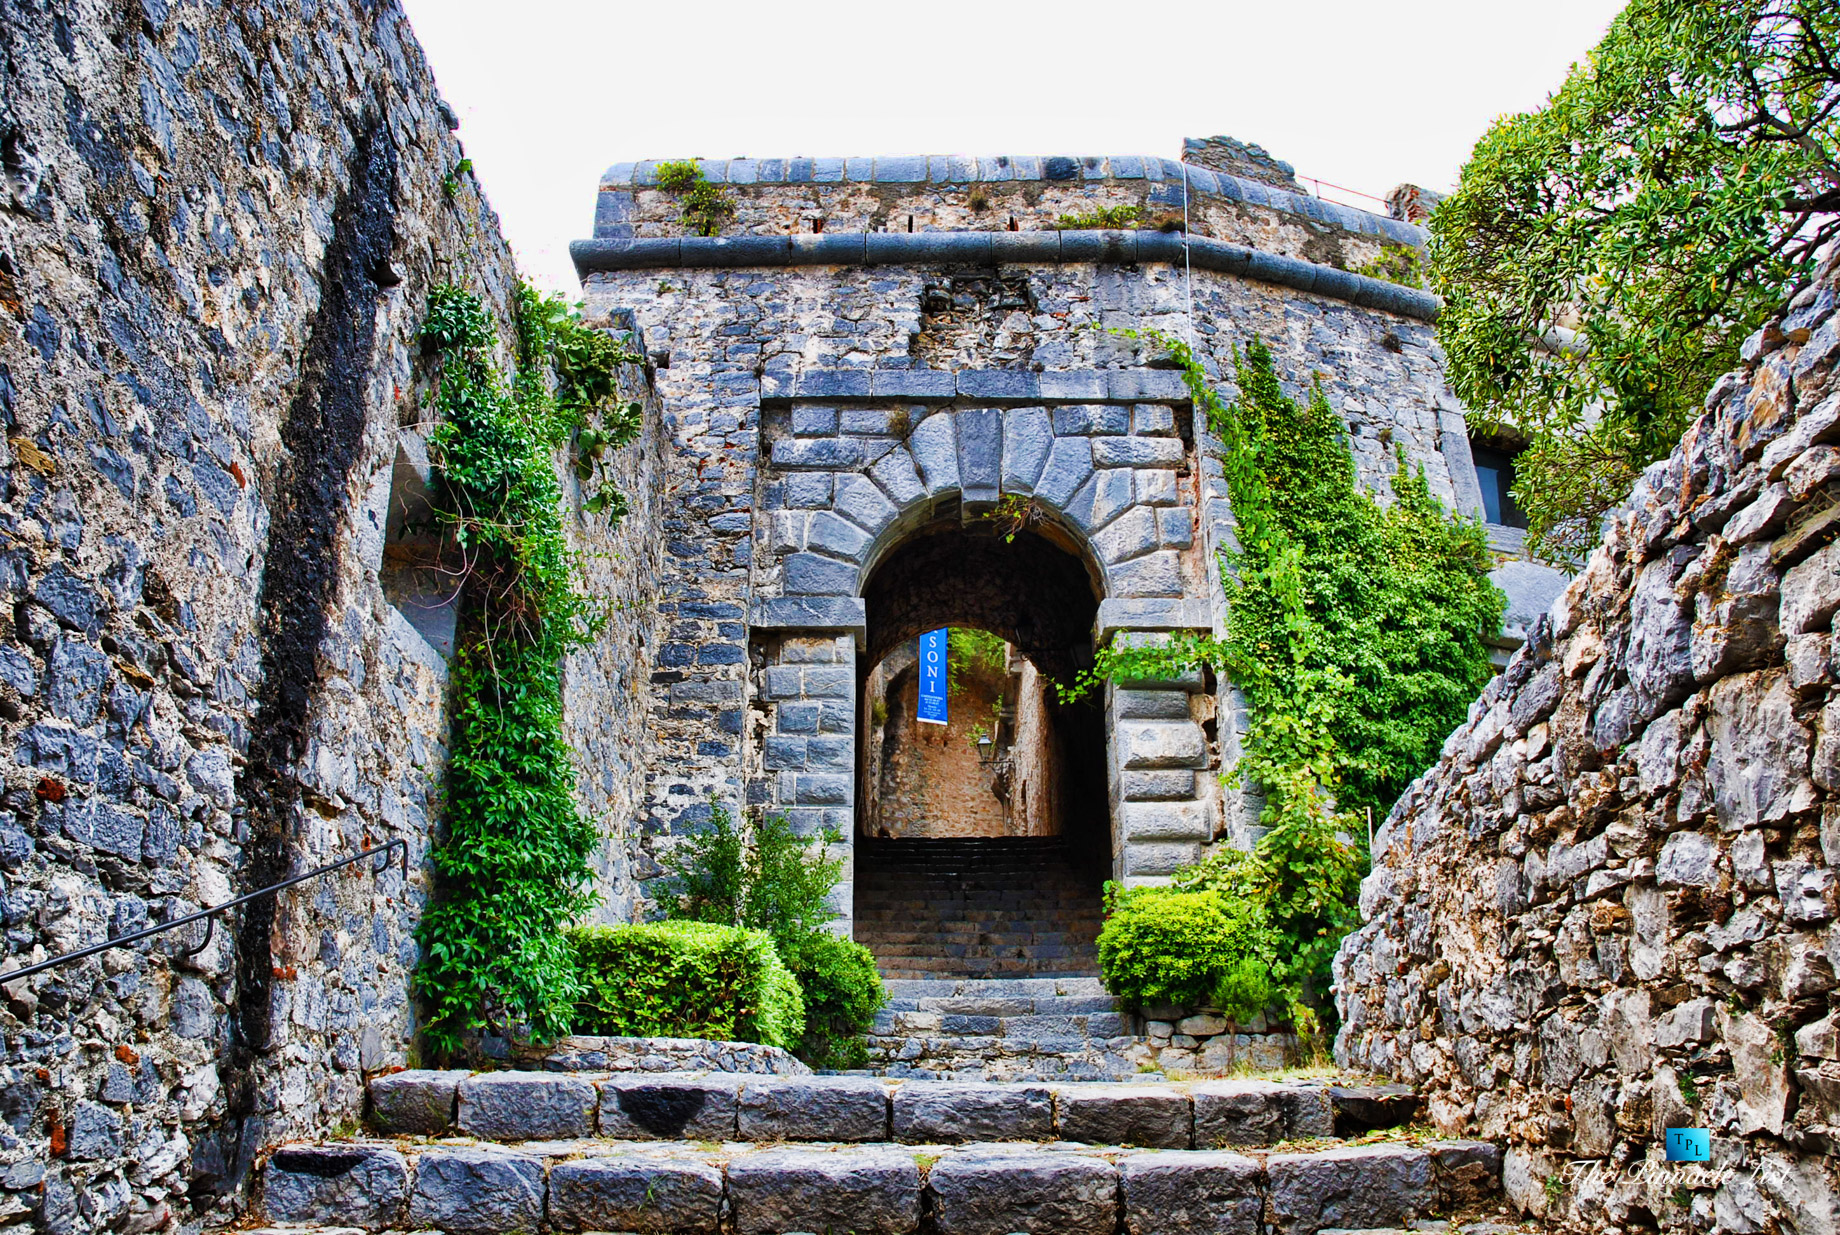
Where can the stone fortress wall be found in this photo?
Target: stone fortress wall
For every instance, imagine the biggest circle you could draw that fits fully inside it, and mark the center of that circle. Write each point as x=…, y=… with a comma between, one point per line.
x=218, y=228
x=1611, y=908
x=870, y=346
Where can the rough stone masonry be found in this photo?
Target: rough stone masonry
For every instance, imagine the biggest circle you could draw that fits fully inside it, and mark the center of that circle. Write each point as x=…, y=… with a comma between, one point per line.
x=1610, y=908
x=227, y=656
x=218, y=227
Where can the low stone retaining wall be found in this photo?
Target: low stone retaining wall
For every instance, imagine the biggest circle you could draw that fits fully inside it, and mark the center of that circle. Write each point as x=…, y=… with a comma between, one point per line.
x=1202, y=1040
x=584, y=1053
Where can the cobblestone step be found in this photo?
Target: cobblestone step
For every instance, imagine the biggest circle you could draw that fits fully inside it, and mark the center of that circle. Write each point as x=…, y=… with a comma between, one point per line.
x=992, y=1188
x=515, y=1106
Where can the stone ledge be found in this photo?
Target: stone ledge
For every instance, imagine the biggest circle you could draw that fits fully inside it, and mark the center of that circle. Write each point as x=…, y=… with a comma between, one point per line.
x=992, y=248
x=961, y=169
x=989, y=387
x=844, y=614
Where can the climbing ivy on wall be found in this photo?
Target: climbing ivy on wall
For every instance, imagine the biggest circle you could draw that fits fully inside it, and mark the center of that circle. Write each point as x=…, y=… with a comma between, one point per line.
x=1355, y=632
x=513, y=867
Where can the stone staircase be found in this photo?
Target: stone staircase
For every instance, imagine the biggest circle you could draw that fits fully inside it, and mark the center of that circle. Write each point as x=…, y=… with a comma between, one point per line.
x=978, y=907
x=1018, y=1029
x=707, y=1153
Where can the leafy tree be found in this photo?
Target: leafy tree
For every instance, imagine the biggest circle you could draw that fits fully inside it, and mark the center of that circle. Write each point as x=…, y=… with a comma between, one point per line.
x=1604, y=256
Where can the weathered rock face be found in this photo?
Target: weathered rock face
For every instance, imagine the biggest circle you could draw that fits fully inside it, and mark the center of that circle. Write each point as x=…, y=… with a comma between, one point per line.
x=1610, y=909
x=218, y=229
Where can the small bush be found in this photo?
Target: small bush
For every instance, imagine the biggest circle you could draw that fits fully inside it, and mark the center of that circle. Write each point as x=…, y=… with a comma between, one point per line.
x=1101, y=217
x=685, y=980
x=1187, y=948
x=843, y=992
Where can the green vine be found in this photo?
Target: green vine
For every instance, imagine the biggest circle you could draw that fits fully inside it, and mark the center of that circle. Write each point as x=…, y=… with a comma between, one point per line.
x=705, y=205
x=513, y=868
x=1355, y=633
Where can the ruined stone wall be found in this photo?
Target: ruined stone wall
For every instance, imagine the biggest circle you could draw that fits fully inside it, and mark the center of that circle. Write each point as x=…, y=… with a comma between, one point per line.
x=1610, y=909
x=218, y=228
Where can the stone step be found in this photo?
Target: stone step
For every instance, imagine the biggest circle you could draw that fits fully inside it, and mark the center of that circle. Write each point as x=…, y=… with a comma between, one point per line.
x=924, y=988
x=990, y=1188
x=533, y=1106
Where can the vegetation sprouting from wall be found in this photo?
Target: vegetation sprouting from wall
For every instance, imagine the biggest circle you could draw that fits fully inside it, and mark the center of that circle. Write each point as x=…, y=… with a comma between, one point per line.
x=1356, y=634
x=513, y=867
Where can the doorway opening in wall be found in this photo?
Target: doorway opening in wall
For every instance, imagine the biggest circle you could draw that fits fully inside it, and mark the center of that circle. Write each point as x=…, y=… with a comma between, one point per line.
x=981, y=843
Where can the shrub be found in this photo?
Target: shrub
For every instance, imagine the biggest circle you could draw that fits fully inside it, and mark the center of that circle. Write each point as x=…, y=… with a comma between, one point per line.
x=685, y=980
x=1161, y=945
x=843, y=992
x=774, y=880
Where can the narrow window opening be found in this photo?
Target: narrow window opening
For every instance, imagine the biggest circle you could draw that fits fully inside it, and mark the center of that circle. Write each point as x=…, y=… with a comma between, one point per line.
x=910, y=224
x=1495, y=474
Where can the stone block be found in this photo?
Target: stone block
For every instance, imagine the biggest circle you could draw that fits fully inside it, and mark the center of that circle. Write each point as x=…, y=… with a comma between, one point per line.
x=1158, y=487
x=1168, y=821
x=980, y=452
x=828, y=1108
x=984, y=1192
x=866, y=1191
x=1465, y=1173
x=1153, y=420
x=1689, y=1023
x=814, y=421
x=1132, y=534
x=1202, y=1025
x=526, y=1106
x=1103, y=497
x=1152, y=858
x=810, y=574
x=660, y=1106
x=1161, y=785
x=1175, y=526
x=828, y=454
x=1204, y=1193
x=635, y=1192
x=1160, y=744
x=1069, y=384
x=1355, y=1188
x=1307, y=1110
x=1069, y=464
x=1150, y=704
x=913, y=384
x=1811, y=592
x=934, y=445
x=1159, y=452
x=828, y=533
x=476, y=1192
x=896, y=473
x=1154, y=574
x=864, y=503
x=342, y=1185
x=1027, y=439
x=1124, y=1115
x=998, y=384
x=944, y=1112
x=419, y=1102
x=1091, y=420
x=1238, y=1113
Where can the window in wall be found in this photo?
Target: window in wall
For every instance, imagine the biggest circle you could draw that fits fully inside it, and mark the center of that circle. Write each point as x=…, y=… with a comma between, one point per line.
x=1495, y=473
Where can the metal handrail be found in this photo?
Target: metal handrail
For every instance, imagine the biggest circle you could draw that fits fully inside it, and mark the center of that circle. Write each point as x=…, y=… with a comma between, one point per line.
x=209, y=916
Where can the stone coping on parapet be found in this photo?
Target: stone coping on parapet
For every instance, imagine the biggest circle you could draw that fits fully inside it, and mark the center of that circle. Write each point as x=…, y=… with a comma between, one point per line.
x=994, y=248
x=959, y=169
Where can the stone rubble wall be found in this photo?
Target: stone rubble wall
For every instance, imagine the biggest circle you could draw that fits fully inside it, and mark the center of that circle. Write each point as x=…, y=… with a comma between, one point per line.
x=1610, y=909
x=218, y=228
x=1003, y=193
x=800, y=405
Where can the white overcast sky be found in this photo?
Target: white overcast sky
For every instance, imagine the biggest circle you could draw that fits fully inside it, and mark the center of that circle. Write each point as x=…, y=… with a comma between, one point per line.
x=1357, y=92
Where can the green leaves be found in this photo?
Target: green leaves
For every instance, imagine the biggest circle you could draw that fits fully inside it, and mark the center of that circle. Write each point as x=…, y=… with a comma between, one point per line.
x=512, y=869
x=1603, y=257
x=704, y=205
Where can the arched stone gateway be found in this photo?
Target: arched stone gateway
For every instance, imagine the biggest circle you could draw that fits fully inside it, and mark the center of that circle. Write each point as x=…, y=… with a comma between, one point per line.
x=892, y=365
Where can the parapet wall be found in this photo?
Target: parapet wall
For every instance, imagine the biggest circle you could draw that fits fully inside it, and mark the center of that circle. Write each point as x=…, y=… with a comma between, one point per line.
x=1609, y=910
x=218, y=229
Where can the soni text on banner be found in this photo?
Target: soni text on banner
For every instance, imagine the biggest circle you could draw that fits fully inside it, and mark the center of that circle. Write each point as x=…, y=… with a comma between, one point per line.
x=933, y=656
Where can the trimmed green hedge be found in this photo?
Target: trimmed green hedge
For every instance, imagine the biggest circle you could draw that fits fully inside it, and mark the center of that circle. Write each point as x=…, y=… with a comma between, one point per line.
x=1189, y=949
x=843, y=992
x=685, y=980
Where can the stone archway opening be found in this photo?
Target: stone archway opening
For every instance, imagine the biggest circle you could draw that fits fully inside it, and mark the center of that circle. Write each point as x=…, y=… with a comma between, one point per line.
x=981, y=844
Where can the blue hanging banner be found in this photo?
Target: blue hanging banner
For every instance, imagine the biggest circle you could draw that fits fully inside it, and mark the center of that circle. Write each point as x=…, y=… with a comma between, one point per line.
x=933, y=655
